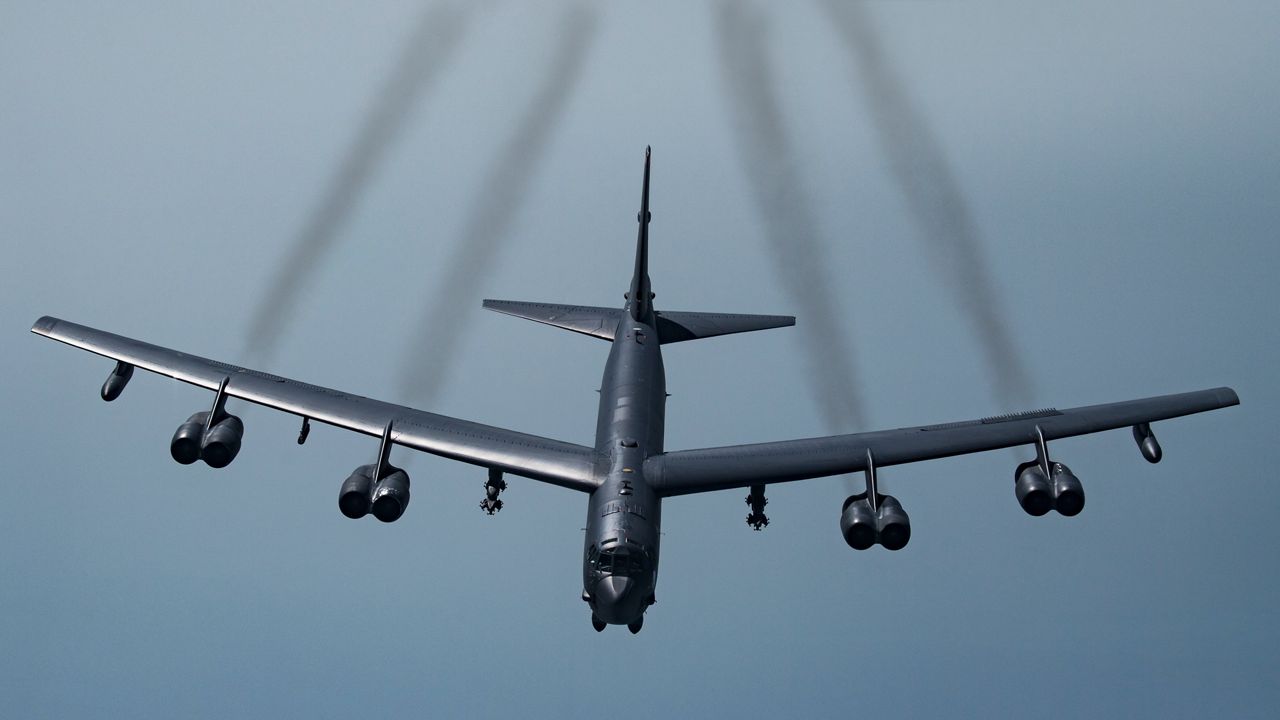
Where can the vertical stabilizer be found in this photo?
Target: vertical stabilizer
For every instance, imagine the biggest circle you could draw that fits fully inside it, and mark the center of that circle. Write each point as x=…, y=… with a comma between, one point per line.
x=640, y=293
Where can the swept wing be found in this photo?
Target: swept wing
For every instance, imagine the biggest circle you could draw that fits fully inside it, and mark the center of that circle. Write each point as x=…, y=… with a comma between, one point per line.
x=705, y=470
x=551, y=461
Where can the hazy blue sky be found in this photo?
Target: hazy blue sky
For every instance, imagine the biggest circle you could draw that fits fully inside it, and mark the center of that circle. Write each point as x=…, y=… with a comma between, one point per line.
x=1122, y=165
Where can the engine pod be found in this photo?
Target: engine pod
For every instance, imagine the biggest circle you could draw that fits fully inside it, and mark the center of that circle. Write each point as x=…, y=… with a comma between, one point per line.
x=893, y=527
x=222, y=443
x=1034, y=492
x=1068, y=492
x=355, y=497
x=391, y=496
x=185, y=446
x=858, y=522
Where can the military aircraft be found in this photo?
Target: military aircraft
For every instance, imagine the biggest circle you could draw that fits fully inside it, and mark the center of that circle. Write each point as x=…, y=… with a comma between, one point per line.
x=627, y=473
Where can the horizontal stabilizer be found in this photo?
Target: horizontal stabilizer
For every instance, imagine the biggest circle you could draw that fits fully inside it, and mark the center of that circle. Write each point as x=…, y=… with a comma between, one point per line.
x=598, y=322
x=680, y=326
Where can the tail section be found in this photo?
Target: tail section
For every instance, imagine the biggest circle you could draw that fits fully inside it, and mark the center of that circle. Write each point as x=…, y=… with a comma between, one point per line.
x=602, y=322
x=672, y=327
x=640, y=295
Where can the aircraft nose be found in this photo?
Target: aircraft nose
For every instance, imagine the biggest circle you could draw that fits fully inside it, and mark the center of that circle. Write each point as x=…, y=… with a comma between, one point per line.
x=614, y=589
x=617, y=599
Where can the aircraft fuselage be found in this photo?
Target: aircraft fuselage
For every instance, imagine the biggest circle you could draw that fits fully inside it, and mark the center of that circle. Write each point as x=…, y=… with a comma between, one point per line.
x=620, y=552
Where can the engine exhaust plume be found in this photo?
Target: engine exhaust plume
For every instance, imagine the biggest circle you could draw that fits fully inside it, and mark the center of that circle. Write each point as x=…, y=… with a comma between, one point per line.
x=429, y=47
x=934, y=200
x=789, y=226
x=435, y=345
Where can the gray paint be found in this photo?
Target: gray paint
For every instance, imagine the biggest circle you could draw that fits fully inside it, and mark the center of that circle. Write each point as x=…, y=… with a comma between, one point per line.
x=1119, y=158
x=628, y=472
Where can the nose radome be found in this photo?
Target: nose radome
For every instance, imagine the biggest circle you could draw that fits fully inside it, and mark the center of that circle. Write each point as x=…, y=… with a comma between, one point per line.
x=618, y=599
x=614, y=588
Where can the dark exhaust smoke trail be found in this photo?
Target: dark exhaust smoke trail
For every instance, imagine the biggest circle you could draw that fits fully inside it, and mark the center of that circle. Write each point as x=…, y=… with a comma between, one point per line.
x=427, y=51
x=437, y=340
x=789, y=225
x=934, y=200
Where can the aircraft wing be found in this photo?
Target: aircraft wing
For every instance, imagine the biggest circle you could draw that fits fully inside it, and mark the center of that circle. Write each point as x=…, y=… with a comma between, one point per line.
x=736, y=466
x=551, y=461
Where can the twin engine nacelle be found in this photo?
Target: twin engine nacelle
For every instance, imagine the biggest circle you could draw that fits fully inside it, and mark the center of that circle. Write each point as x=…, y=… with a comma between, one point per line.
x=863, y=526
x=217, y=447
x=1038, y=494
x=386, y=498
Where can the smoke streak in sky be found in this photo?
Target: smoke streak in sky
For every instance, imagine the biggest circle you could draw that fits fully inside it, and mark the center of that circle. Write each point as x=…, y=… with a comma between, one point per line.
x=427, y=51
x=437, y=337
x=934, y=200
x=790, y=228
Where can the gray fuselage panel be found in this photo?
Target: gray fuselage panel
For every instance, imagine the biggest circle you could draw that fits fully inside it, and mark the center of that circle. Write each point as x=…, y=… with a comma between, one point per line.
x=620, y=552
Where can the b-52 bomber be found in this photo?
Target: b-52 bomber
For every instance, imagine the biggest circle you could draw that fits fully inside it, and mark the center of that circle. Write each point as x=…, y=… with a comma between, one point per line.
x=627, y=473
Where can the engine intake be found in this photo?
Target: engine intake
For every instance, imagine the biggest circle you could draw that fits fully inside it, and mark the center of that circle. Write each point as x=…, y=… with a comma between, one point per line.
x=217, y=448
x=187, y=439
x=391, y=496
x=380, y=488
x=1068, y=492
x=1034, y=492
x=356, y=495
x=892, y=524
x=222, y=442
x=863, y=527
x=858, y=522
x=1038, y=494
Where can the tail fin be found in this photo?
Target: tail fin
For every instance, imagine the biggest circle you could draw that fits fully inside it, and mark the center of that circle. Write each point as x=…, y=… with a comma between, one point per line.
x=671, y=326
x=641, y=291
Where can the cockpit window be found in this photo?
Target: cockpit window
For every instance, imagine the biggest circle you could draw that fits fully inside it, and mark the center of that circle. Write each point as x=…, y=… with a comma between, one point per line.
x=621, y=561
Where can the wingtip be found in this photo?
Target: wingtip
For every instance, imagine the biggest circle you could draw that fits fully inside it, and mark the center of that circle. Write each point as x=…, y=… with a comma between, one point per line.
x=1228, y=397
x=44, y=325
